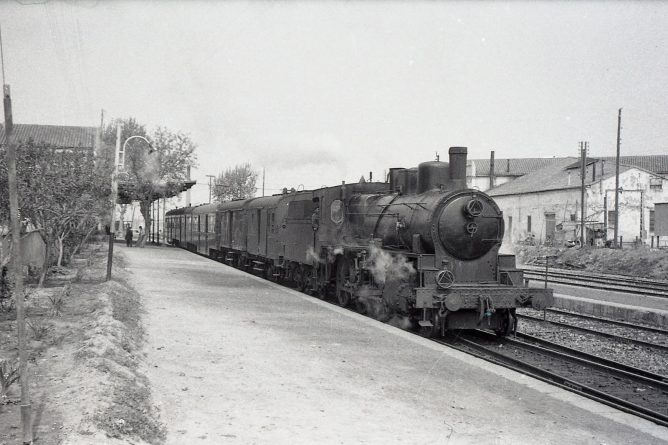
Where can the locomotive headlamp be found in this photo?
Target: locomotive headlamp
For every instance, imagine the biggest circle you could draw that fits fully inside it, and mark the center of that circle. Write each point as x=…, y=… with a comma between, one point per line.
x=474, y=207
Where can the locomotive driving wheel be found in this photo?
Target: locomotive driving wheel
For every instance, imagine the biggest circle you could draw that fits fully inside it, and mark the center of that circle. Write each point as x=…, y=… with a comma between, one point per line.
x=306, y=284
x=344, y=275
x=297, y=276
x=270, y=271
x=322, y=274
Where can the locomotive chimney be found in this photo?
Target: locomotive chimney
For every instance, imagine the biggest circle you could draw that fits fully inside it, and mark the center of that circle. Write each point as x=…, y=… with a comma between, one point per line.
x=458, y=167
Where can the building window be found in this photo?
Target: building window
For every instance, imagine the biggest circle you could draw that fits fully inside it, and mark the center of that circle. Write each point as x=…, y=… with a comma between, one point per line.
x=651, y=220
x=510, y=226
x=611, y=219
x=529, y=223
x=655, y=184
x=574, y=217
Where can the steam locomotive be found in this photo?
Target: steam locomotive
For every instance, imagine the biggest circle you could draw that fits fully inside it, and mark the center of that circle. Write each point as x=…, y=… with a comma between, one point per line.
x=420, y=246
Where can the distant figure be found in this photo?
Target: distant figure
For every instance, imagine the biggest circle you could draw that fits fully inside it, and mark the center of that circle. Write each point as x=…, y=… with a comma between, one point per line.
x=128, y=237
x=142, y=235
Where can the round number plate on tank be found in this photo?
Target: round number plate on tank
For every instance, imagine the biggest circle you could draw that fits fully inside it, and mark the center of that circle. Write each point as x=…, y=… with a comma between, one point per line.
x=465, y=236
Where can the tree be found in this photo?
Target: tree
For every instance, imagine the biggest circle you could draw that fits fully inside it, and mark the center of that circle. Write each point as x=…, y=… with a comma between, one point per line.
x=155, y=170
x=235, y=183
x=62, y=194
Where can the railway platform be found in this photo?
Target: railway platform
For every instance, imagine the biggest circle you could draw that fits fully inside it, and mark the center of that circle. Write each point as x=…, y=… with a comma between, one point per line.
x=617, y=305
x=232, y=358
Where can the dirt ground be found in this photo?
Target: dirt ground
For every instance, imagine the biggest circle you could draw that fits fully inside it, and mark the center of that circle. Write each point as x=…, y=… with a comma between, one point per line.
x=638, y=262
x=84, y=348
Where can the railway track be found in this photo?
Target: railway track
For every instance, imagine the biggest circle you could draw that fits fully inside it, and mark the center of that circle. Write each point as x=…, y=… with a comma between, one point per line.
x=592, y=280
x=625, y=335
x=609, y=321
x=629, y=389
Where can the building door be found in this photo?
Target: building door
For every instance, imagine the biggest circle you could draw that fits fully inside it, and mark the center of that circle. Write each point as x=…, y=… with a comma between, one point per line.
x=550, y=227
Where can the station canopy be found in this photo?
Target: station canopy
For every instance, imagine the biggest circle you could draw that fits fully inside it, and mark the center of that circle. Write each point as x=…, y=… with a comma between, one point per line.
x=126, y=191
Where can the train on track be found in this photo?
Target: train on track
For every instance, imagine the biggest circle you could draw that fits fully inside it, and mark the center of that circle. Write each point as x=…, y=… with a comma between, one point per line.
x=420, y=246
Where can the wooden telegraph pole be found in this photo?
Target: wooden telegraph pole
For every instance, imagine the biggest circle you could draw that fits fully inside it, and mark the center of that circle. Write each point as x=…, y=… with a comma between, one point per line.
x=16, y=263
x=114, y=194
x=583, y=172
x=619, y=130
x=211, y=185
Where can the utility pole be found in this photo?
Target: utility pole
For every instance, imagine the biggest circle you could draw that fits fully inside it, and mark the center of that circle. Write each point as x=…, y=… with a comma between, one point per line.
x=16, y=263
x=619, y=132
x=583, y=172
x=262, y=181
x=114, y=194
x=210, y=185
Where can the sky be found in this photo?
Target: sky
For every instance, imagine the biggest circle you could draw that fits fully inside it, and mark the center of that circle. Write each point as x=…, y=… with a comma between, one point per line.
x=322, y=92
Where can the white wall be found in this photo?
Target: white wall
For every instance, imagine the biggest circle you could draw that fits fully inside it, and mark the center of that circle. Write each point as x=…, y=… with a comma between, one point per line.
x=565, y=202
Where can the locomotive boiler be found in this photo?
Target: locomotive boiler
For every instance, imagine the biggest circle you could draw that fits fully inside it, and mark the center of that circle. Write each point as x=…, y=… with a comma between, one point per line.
x=420, y=246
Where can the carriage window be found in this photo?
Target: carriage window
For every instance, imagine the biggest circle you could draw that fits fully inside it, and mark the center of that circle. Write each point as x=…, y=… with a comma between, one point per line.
x=336, y=211
x=301, y=209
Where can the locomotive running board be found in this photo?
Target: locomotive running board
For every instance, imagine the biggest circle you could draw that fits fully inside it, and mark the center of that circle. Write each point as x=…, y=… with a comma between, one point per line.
x=425, y=323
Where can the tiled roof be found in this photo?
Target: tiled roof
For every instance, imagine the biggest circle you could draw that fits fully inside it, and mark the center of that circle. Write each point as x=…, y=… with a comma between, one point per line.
x=53, y=135
x=653, y=163
x=512, y=167
x=552, y=177
x=518, y=167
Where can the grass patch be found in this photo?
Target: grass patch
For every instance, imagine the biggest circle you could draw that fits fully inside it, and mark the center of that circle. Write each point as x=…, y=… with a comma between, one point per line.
x=130, y=412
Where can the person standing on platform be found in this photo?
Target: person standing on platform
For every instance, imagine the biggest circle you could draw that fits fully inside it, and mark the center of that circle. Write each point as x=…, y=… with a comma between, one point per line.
x=142, y=235
x=128, y=237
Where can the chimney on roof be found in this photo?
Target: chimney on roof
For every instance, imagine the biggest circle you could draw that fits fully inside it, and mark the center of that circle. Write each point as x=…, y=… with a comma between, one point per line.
x=491, y=170
x=508, y=165
x=593, y=171
x=569, y=177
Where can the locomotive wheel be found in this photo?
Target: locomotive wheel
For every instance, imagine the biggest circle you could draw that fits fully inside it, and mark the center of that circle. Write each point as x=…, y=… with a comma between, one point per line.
x=343, y=294
x=306, y=284
x=343, y=297
x=297, y=277
x=269, y=273
x=322, y=275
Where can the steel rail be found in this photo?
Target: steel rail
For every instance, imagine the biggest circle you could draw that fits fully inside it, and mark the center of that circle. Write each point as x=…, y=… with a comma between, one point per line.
x=595, y=332
x=565, y=381
x=655, y=289
x=600, y=276
x=609, y=321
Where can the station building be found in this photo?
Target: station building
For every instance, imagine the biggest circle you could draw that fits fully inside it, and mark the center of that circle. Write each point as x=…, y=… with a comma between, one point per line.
x=543, y=206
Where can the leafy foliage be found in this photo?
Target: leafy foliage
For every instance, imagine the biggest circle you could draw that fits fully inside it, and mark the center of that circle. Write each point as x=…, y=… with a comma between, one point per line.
x=155, y=170
x=63, y=193
x=236, y=183
x=9, y=373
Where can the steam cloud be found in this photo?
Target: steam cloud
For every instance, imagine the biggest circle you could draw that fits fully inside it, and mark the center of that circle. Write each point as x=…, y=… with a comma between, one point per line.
x=312, y=255
x=382, y=265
